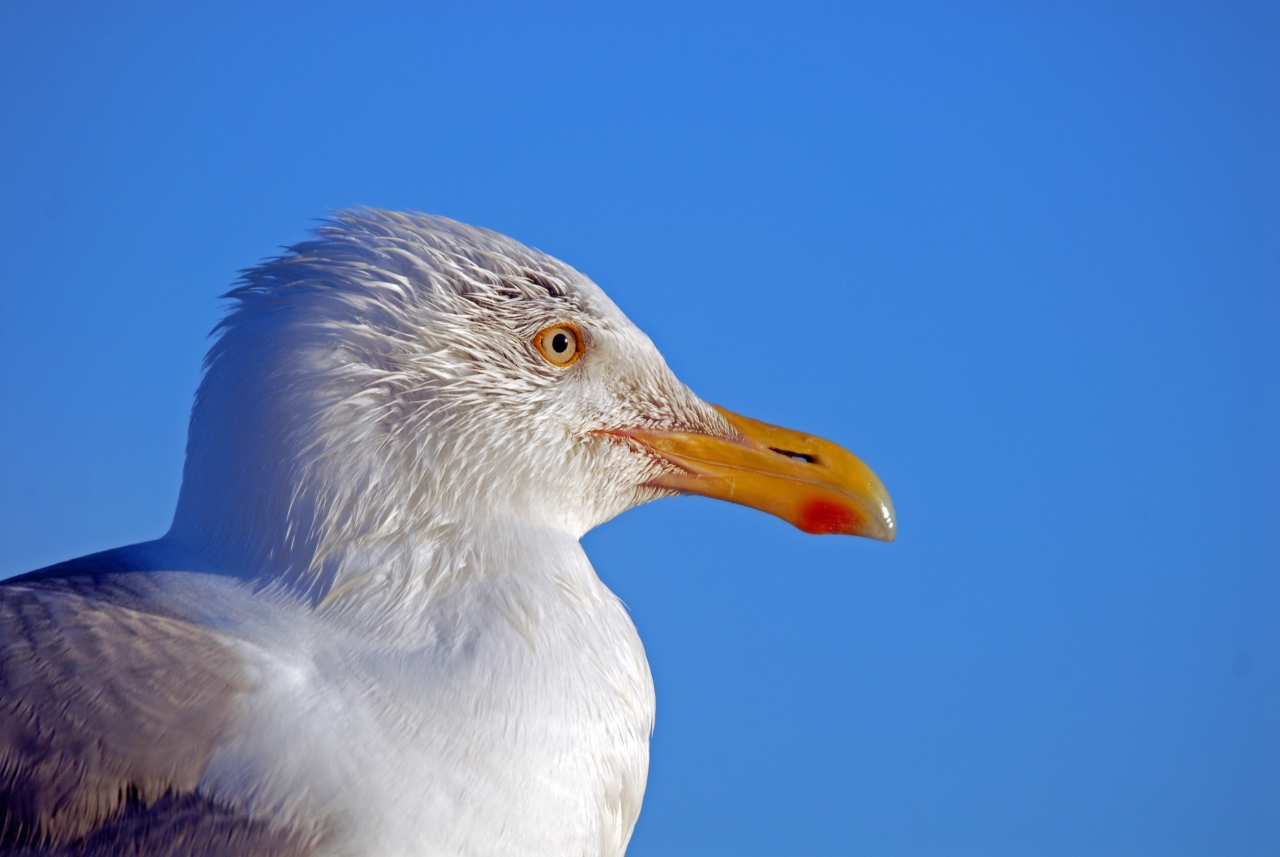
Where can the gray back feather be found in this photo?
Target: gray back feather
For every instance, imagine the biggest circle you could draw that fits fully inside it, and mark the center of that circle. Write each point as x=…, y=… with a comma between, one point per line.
x=188, y=826
x=105, y=708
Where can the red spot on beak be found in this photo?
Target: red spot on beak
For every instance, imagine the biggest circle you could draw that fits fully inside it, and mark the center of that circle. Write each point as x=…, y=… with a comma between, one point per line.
x=823, y=517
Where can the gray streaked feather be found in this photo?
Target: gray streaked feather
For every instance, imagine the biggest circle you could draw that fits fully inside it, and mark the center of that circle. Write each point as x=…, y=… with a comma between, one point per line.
x=105, y=707
x=187, y=826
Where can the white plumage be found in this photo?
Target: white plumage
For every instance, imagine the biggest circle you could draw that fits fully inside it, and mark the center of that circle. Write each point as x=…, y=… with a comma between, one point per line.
x=397, y=644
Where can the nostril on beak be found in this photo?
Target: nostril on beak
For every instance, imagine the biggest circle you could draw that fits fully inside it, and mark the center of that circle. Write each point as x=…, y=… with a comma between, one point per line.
x=795, y=456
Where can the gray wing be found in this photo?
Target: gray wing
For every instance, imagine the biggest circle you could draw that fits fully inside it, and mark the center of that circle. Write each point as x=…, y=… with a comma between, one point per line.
x=109, y=714
x=187, y=826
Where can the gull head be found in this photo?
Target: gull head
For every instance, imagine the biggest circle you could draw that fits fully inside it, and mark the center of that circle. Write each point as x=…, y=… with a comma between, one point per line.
x=403, y=375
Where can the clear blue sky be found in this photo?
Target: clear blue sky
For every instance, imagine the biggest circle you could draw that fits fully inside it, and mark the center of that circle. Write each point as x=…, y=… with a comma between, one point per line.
x=1025, y=263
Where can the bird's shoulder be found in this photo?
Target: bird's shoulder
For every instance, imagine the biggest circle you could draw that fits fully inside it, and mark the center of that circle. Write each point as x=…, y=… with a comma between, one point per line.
x=111, y=705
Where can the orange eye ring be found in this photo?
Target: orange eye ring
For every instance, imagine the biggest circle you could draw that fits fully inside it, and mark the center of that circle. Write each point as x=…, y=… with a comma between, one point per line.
x=561, y=344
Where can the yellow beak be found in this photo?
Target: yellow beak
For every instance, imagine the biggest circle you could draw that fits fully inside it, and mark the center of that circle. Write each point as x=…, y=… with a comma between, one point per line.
x=809, y=482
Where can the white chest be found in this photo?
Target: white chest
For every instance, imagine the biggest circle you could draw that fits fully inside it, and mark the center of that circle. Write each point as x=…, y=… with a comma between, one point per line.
x=523, y=733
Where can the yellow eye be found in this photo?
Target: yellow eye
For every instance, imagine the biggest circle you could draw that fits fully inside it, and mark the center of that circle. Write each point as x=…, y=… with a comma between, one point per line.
x=561, y=344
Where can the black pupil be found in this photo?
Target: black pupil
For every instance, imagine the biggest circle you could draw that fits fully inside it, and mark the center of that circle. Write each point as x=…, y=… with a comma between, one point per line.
x=559, y=343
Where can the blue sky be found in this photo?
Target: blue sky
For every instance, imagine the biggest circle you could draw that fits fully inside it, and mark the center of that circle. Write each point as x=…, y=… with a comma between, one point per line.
x=1025, y=262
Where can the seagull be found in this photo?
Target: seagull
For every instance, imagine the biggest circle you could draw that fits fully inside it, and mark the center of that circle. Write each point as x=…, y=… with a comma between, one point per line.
x=371, y=628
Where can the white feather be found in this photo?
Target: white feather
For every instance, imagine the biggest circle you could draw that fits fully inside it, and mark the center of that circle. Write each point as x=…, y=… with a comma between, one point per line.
x=381, y=454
